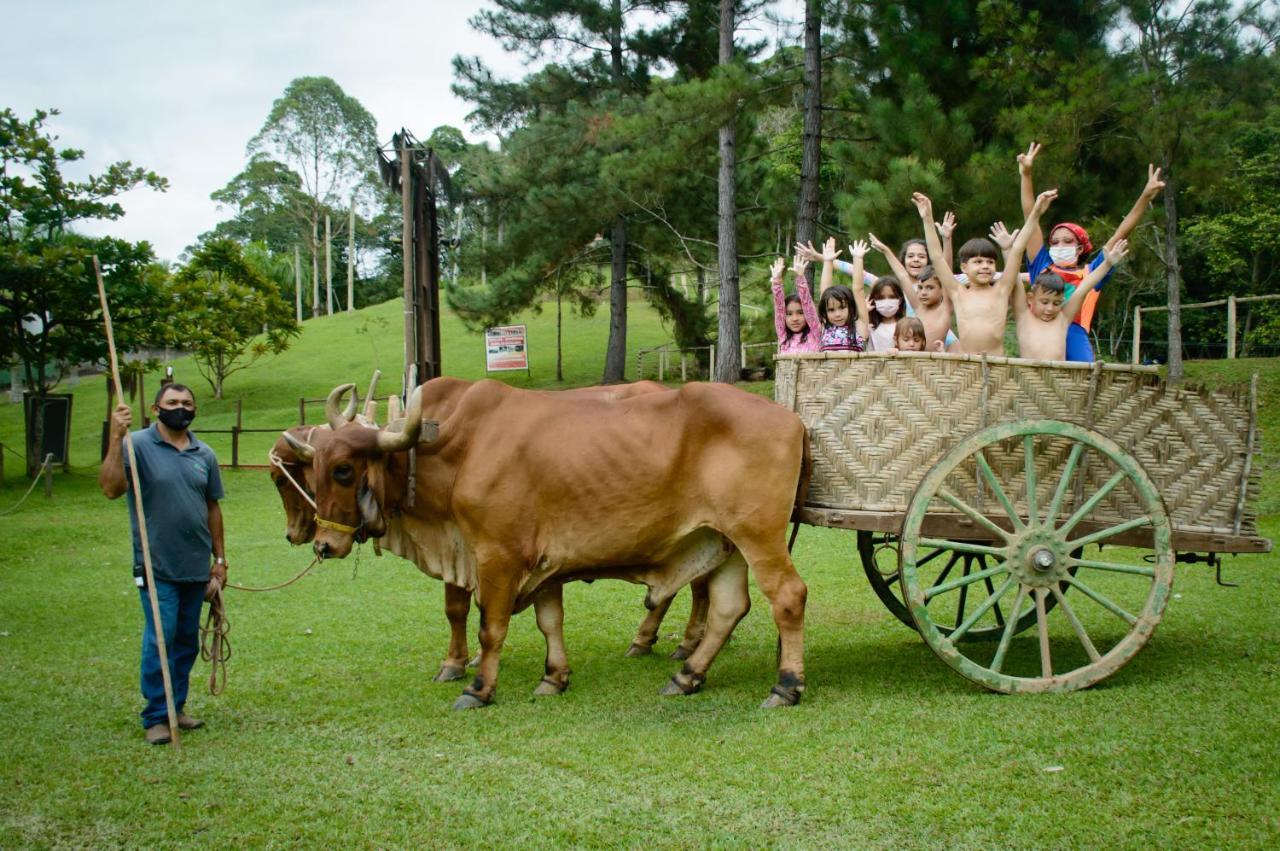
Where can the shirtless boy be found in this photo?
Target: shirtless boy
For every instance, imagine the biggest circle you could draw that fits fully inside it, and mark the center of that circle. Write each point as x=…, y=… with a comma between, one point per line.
x=982, y=308
x=1043, y=317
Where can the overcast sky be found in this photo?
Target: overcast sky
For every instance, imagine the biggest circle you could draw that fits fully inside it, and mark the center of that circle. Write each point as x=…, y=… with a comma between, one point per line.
x=180, y=87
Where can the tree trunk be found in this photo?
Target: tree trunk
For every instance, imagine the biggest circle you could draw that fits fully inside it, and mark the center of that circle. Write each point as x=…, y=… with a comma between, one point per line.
x=728, y=364
x=315, y=267
x=615, y=358
x=811, y=163
x=1173, y=274
x=559, y=330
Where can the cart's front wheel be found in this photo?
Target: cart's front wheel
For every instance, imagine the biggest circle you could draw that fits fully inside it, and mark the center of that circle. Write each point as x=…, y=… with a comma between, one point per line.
x=1044, y=491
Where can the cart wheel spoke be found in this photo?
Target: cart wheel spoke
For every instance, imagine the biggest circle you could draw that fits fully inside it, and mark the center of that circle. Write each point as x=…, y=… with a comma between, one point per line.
x=1029, y=466
x=1101, y=600
x=997, y=661
x=946, y=571
x=930, y=557
x=963, y=581
x=1136, y=570
x=1091, y=503
x=973, y=513
x=987, y=604
x=1068, y=469
x=964, y=547
x=1001, y=497
x=1042, y=625
x=991, y=589
x=963, y=596
x=1110, y=532
x=1075, y=623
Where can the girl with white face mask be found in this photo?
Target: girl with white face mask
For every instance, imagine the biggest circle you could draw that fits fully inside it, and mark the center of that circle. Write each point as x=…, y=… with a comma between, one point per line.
x=1067, y=254
x=887, y=305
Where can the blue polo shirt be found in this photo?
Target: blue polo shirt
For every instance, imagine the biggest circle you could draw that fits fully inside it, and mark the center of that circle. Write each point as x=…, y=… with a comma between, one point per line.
x=176, y=489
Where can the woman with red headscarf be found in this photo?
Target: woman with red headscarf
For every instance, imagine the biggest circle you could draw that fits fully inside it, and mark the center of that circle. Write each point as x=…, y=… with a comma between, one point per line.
x=1068, y=247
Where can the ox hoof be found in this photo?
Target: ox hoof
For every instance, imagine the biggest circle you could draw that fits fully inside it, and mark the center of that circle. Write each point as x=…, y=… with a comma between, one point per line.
x=474, y=661
x=778, y=698
x=449, y=673
x=548, y=687
x=638, y=650
x=469, y=701
x=674, y=687
x=680, y=653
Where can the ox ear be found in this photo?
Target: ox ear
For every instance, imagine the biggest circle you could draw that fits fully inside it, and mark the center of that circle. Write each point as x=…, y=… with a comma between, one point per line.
x=337, y=419
x=305, y=451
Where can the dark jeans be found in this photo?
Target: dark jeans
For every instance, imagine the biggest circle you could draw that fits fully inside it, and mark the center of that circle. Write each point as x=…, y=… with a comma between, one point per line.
x=180, y=604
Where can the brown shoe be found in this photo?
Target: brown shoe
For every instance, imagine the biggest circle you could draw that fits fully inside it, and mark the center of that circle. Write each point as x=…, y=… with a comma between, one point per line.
x=158, y=734
x=186, y=722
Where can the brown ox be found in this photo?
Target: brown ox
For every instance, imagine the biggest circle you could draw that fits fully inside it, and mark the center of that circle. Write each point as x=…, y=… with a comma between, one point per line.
x=516, y=492
x=293, y=478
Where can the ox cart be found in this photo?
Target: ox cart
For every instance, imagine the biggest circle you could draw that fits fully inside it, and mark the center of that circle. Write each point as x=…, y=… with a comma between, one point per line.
x=994, y=497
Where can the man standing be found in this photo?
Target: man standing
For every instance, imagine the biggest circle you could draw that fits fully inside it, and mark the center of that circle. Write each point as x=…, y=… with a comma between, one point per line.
x=181, y=487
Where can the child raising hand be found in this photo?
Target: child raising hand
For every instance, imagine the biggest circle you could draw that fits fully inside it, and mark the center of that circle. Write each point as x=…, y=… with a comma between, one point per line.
x=1042, y=316
x=794, y=318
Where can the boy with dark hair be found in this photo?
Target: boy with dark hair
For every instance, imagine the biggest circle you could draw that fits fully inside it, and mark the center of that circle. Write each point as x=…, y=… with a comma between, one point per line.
x=1043, y=315
x=982, y=308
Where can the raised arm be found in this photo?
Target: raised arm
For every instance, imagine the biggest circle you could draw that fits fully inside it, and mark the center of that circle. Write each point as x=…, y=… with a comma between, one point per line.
x=1027, y=194
x=899, y=271
x=805, y=294
x=1114, y=256
x=943, y=269
x=779, y=299
x=828, y=257
x=1140, y=207
x=858, y=251
x=1014, y=259
x=946, y=228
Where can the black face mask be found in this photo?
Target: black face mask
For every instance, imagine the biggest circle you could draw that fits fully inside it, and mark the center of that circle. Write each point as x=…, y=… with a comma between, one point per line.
x=176, y=419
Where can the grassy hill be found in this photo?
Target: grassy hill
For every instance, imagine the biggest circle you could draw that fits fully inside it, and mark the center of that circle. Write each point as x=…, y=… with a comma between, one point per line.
x=346, y=347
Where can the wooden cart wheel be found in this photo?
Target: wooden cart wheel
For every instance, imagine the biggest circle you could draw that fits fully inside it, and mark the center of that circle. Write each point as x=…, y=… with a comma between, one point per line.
x=1048, y=506
x=875, y=549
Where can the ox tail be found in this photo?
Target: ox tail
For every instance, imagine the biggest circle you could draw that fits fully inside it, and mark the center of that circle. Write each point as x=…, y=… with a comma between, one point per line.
x=806, y=471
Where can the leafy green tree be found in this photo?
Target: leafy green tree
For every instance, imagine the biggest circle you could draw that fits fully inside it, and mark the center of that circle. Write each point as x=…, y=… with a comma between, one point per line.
x=311, y=157
x=1193, y=63
x=50, y=317
x=1238, y=237
x=226, y=313
x=605, y=60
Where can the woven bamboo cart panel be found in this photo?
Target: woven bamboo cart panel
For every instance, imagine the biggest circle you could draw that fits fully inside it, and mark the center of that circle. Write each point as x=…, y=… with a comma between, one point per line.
x=877, y=423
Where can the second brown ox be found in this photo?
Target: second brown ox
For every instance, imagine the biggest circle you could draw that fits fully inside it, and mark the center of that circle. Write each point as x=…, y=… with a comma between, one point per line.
x=517, y=491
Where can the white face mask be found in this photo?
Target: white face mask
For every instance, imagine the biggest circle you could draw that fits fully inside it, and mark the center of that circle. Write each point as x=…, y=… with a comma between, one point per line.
x=1063, y=255
x=887, y=306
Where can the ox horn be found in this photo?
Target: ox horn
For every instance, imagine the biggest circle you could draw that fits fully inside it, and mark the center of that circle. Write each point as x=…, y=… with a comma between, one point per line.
x=371, y=400
x=393, y=407
x=337, y=419
x=305, y=451
x=389, y=441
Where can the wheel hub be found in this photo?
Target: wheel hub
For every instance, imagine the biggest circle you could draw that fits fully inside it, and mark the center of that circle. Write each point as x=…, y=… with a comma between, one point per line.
x=1037, y=558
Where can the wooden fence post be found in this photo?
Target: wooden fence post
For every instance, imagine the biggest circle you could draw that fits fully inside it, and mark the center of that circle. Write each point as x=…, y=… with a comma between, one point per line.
x=1231, y=327
x=712, y=366
x=235, y=436
x=684, y=377
x=662, y=365
x=1137, y=334
x=302, y=410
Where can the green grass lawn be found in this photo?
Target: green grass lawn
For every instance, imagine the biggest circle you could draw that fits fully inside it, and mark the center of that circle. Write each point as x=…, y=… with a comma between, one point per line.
x=331, y=732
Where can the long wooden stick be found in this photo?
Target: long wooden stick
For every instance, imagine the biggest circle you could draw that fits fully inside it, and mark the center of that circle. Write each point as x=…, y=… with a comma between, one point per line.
x=156, y=623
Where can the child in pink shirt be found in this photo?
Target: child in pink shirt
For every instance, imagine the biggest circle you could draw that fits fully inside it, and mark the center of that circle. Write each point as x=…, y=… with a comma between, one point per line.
x=795, y=318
